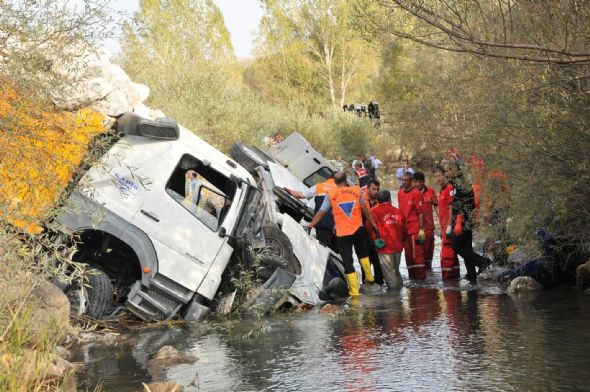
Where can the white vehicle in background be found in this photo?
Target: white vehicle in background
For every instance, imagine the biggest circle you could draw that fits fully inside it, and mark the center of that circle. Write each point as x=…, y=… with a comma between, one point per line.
x=296, y=154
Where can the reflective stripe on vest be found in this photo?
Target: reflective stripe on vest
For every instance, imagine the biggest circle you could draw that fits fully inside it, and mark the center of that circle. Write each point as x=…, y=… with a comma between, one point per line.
x=346, y=207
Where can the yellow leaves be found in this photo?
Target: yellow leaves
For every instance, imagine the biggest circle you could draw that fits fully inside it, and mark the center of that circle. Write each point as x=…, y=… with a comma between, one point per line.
x=41, y=150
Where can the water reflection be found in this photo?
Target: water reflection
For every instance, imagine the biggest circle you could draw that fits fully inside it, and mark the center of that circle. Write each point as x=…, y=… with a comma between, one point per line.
x=423, y=338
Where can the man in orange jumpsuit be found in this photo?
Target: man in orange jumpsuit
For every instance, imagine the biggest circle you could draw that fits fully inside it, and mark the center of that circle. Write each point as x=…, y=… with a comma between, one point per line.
x=411, y=203
x=349, y=206
x=430, y=202
x=449, y=262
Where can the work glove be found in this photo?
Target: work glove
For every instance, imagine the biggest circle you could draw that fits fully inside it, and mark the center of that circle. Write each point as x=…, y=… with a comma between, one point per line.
x=458, y=230
x=379, y=243
x=421, y=237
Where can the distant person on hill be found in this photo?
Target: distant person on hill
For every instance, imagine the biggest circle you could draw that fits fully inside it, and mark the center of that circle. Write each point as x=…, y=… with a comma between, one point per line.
x=405, y=168
x=371, y=109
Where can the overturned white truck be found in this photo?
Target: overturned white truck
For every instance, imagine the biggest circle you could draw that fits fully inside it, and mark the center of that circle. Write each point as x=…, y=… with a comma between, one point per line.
x=159, y=217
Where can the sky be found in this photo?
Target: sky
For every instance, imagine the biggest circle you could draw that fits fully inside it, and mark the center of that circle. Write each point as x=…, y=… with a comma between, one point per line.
x=241, y=19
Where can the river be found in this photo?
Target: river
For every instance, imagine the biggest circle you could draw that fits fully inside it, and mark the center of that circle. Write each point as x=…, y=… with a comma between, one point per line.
x=424, y=337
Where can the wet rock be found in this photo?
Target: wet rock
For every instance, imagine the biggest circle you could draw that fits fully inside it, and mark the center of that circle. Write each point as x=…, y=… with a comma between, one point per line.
x=168, y=355
x=50, y=311
x=329, y=308
x=523, y=285
x=62, y=352
x=583, y=276
x=162, y=387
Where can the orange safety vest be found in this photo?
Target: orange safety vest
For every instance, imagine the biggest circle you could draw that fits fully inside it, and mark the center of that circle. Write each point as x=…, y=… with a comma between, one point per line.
x=322, y=188
x=346, y=207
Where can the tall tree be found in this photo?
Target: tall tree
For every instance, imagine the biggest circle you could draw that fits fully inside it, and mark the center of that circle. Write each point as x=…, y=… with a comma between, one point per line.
x=176, y=34
x=321, y=39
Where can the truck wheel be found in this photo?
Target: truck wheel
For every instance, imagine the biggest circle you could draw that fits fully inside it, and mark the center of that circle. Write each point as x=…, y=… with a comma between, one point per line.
x=249, y=157
x=95, y=298
x=279, y=250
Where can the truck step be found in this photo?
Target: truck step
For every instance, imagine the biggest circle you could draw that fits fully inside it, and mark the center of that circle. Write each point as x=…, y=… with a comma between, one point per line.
x=150, y=305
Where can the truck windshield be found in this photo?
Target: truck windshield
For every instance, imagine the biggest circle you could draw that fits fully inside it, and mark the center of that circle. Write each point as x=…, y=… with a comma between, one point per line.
x=202, y=190
x=319, y=176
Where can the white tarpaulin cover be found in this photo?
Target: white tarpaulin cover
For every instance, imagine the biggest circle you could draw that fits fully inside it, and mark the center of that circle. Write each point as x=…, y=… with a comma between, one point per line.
x=313, y=258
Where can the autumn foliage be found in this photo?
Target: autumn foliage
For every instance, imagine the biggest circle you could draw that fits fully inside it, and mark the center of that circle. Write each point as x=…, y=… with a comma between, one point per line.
x=41, y=150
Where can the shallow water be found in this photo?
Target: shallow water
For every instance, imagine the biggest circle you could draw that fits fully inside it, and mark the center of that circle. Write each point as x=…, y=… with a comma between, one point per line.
x=431, y=337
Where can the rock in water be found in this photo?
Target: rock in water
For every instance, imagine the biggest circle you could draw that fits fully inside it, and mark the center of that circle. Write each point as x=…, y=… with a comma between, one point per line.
x=329, y=308
x=523, y=285
x=168, y=355
x=583, y=276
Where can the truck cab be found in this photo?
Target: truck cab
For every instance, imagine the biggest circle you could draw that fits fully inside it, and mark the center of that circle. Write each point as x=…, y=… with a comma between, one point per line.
x=156, y=218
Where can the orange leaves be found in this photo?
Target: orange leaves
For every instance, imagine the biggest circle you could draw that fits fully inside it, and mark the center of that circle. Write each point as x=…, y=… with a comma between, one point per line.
x=41, y=150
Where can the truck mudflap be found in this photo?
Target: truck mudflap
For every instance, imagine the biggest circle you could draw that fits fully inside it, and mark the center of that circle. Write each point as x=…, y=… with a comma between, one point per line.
x=160, y=301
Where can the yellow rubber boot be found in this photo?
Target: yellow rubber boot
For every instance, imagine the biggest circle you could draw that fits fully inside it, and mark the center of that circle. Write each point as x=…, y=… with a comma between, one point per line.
x=366, y=266
x=353, y=284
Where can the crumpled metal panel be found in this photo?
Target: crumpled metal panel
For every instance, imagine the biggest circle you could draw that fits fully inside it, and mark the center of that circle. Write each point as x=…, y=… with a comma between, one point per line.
x=313, y=258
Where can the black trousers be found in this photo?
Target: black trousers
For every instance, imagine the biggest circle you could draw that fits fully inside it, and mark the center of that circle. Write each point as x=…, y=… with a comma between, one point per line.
x=326, y=237
x=463, y=246
x=345, y=244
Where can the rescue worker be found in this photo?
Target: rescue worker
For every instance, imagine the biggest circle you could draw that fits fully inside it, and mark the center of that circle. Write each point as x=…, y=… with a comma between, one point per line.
x=362, y=175
x=348, y=206
x=392, y=232
x=430, y=203
x=371, y=197
x=449, y=262
x=324, y=229
x=462, y=221
x=411, y=203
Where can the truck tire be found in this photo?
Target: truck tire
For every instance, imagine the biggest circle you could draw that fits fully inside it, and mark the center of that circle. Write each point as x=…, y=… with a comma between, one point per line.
x=279, y=250
x=97, y=294
x=249, y=157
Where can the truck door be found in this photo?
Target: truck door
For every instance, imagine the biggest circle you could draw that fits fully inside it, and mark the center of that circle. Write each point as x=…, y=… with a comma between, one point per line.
x=182, y=214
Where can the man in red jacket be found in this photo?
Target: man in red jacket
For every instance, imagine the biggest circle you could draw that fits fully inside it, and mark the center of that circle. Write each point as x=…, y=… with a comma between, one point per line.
x=449, y=262
x=430, y=202
x=392, y=231
x=411, y=204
